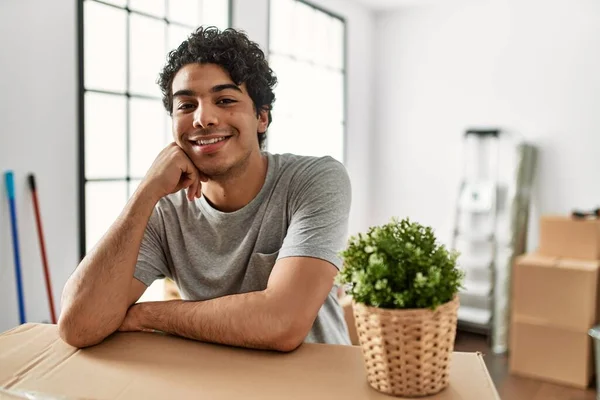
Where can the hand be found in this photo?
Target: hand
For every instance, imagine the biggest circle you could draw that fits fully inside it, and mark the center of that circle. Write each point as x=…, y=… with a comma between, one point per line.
x=171, y=171
x=133, y=321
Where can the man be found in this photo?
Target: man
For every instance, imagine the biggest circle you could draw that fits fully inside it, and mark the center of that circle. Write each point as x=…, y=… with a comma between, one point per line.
x=250, y=238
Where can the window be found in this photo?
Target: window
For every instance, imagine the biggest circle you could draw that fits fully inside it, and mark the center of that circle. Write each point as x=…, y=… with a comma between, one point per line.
x=123, y=45
x=307, y=53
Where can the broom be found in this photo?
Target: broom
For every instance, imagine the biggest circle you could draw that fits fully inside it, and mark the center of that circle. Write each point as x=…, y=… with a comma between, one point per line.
x=38, y=220
x=10, y=189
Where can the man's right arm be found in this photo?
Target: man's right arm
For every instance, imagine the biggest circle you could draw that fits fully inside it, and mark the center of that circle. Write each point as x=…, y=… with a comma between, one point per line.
x=97, y=296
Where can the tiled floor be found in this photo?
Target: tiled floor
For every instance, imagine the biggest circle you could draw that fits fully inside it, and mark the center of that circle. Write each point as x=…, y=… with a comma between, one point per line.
x=512, y=387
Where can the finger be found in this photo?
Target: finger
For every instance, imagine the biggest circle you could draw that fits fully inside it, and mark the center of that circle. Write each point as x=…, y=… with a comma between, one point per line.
x=185, y=183
x=196, y=189
x=195, y=184
x=192, y=189
x=199, y=191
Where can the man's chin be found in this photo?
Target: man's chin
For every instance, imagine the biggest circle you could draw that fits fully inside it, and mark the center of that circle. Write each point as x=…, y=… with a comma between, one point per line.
x=221, y=166
x=212, y=170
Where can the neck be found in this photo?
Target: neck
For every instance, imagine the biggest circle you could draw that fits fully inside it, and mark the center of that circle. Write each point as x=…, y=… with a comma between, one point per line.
x=237, y=189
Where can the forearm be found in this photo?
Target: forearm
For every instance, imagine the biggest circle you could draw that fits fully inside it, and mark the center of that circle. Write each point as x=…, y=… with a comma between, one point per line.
x=246, y=320
x=96, y=297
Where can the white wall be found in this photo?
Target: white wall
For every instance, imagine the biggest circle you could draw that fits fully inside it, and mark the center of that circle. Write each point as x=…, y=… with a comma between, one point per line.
x=530, y=66
x=38, y=110
x=360, y=21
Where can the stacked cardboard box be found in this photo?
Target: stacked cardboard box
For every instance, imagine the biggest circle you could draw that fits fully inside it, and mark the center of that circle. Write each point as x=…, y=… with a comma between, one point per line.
x=555, y=303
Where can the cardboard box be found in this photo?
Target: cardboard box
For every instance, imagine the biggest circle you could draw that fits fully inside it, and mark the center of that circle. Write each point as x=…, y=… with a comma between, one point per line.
x=556, y=292
x=554, y=354
x=155, y=366
x=566, y=237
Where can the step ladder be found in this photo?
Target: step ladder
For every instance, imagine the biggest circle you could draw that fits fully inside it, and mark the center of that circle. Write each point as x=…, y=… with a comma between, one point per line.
x=474, y=233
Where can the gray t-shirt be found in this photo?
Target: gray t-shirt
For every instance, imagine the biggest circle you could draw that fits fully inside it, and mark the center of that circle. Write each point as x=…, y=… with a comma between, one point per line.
x=301, y=211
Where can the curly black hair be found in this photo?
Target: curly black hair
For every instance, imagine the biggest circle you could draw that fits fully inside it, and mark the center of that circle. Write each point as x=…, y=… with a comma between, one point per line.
x=236, y=53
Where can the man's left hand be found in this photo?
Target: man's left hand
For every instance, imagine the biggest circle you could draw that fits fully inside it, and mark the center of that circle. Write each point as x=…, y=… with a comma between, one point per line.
x=133, y=321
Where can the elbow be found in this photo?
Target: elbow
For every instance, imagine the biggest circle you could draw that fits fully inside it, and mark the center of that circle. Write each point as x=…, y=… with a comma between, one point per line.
x=70, y=335
x=76, y=334
x=290, y=338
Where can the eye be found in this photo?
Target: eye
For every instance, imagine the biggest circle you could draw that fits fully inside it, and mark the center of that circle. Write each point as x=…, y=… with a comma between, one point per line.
x=185, y=106
x=226, y=101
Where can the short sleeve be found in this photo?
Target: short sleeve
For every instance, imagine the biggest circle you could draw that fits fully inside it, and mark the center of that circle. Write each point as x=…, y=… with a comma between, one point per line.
x=319, y=205
x=151, y=263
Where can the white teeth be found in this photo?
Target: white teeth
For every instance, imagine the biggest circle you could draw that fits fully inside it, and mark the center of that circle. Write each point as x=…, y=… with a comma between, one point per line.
x=202, y=142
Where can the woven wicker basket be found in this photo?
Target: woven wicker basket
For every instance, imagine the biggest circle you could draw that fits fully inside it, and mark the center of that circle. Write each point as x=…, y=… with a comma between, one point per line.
x=407, y=352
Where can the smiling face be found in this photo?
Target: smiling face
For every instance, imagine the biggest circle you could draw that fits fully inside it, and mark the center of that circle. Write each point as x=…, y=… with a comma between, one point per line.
x=214, y=120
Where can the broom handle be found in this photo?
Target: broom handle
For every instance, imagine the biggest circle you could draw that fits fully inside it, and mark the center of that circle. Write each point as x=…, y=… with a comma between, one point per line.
x=10, y=188
x=38, y=221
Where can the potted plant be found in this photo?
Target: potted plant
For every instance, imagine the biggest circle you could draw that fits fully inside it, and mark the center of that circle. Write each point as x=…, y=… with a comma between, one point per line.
x=404, y=287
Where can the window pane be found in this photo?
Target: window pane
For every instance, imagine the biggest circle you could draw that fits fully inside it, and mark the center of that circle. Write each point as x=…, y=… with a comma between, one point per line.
x=333, y=142
x=152, y=7
x=215, y=12
x=105, y=136
x=177, y=34
x=333, y=83
x=325, y=102
x=303, y=41
x=305, y=88
x=338, y=44
x=103, y=204
x=148, y=54
x=104, y=48
x=281, y=19
x=280, y=136
x=323, y=32
x=284, y=68
x=147, y=119
x=185, y=12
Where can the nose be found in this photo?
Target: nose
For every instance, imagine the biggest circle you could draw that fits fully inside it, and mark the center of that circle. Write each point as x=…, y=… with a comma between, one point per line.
x=205, y=116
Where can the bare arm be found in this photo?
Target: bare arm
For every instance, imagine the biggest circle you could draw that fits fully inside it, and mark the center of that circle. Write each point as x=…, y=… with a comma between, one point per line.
x=96, y=297
x=278, y=318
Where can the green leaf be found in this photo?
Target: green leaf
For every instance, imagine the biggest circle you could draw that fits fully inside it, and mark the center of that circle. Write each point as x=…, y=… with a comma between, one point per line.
x=399, y=265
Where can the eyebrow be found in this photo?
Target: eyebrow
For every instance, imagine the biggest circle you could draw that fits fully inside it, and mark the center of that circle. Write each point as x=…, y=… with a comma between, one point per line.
x=220, y=88
x=214, y=89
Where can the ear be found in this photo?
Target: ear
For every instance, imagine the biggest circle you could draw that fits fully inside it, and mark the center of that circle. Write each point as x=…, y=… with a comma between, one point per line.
x=263, y=120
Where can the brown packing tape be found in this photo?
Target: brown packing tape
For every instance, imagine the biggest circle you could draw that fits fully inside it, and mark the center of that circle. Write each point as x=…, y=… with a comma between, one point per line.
x=540, y=260
x=548, y=323
x=536, y=260
x=583, y=265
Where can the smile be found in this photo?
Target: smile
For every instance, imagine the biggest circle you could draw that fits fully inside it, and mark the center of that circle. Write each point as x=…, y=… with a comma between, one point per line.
x=206, y=142
x=209, y=145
